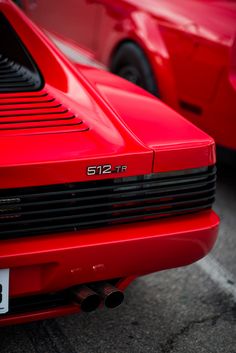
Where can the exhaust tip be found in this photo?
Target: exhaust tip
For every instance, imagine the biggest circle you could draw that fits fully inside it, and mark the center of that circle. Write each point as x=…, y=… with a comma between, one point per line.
x=91, y=303
x=114, y=299
x=111, y=295
x=86, y=298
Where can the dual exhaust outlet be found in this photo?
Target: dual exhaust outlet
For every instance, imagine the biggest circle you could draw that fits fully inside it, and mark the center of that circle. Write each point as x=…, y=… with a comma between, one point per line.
x=89, y=297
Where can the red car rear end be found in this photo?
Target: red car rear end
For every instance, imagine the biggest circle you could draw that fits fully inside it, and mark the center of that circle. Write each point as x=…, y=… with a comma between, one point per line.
x=99, y=181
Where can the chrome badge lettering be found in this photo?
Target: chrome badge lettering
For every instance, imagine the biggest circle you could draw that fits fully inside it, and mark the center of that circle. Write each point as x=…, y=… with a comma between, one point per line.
x=105, y=169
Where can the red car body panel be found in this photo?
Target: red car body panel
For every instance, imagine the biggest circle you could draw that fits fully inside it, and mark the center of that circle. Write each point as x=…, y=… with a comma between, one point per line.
x=175, y=148
x=52, y=262
x=191, y=53
x=106, y=116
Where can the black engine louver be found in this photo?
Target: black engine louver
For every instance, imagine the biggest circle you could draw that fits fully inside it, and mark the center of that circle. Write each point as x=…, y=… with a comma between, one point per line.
x=18, y=72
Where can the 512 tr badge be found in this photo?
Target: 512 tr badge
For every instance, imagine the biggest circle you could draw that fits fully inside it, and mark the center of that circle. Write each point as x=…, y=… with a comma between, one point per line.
x=105, y=169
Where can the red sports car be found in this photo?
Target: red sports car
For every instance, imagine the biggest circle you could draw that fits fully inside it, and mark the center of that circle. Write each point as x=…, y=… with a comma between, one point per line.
x=183, y=51
x=99, y=181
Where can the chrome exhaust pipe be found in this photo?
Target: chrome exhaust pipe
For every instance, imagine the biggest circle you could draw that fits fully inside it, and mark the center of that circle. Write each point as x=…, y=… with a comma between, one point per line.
x=86, y=298
x=112, y=296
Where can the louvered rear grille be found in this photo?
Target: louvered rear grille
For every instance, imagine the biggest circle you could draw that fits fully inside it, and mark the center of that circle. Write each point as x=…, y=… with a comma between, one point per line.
x=14, y=77
x=18, y=71
x=75, y=206
x=37, y=111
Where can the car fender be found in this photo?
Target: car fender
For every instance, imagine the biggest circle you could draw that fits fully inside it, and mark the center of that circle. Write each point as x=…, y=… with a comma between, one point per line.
x=174, y=140
x=142, y=29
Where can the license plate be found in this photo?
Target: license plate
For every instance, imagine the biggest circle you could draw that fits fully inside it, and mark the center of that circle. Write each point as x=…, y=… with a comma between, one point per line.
x=4, y=291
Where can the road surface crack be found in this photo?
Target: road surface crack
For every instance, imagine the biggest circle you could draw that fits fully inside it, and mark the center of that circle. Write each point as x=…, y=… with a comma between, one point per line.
x=173, y=339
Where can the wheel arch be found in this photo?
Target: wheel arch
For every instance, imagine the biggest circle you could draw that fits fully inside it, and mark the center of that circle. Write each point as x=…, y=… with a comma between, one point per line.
x=159, y=63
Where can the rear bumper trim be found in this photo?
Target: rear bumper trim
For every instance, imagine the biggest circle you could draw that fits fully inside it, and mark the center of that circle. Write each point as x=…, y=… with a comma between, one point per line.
x=61, y=261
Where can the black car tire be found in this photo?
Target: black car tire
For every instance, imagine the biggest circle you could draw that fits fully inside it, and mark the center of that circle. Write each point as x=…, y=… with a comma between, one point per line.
x=19, y=3
x=131, y=63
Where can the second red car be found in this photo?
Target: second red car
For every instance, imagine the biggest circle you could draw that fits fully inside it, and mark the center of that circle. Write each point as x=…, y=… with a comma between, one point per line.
x=183, y=51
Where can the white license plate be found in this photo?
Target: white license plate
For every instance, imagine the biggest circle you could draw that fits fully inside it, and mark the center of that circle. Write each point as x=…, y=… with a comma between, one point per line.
x=4, y=291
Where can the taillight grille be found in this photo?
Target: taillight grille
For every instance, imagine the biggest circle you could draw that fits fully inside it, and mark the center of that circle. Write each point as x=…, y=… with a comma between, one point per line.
x=75, y=206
